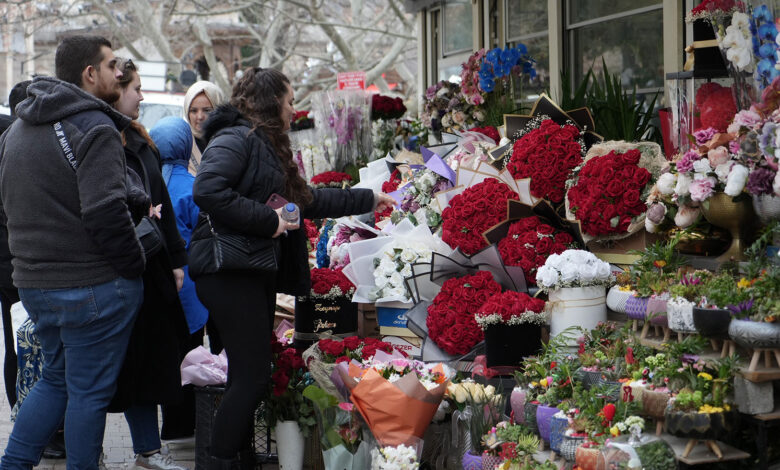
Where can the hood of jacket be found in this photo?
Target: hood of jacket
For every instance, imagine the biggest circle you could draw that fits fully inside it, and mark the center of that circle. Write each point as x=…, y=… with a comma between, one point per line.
x=50, y=100
x=223, y=117
x=173, y=138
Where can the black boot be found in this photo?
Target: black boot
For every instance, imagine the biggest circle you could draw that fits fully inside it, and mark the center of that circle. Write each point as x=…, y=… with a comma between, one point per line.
x=217, y=463
x=248, y=460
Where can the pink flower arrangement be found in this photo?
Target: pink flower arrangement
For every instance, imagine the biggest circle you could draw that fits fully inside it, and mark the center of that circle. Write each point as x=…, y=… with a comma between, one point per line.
x=469, y=76
x=702, y=189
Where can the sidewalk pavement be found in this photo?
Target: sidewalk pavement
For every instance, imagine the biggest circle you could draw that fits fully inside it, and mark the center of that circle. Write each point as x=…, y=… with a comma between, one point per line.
x=117, y=445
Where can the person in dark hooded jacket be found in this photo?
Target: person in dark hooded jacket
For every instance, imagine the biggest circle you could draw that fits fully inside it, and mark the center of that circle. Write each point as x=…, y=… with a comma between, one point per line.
x=76, y=257
x=247, y=160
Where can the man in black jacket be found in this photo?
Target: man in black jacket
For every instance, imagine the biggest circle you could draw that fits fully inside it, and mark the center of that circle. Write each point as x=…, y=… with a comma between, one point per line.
x=77, y=261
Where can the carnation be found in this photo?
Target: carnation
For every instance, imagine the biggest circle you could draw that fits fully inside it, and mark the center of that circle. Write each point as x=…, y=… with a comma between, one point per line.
x=511, y=308
x=723, y=170
x=760, y=181
x=702, y=189
x=735, y=183
x=745, y=118
x=685, y=164
x=702, y=166
x=683, y=185
x=666, y=183
x=703, y=136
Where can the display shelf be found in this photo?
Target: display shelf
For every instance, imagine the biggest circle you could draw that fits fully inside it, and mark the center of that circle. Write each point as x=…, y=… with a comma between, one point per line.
x=702, y=454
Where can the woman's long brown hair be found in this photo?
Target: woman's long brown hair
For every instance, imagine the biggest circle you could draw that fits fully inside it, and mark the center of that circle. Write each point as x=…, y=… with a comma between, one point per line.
x=258, y=95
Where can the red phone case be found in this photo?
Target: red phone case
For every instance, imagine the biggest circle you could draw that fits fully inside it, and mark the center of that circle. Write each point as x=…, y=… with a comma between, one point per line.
x=275, y=201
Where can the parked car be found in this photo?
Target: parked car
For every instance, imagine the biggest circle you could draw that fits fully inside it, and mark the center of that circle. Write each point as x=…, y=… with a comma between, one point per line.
x=156, y=106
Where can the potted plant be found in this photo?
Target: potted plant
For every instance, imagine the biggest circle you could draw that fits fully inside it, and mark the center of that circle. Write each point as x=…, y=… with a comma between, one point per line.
x=512, y=323
x=327, y=308
x=575, y=277
x=711, y=315
x=684, y=295
x=501, y=442
x=287, y=411
x=755, y=324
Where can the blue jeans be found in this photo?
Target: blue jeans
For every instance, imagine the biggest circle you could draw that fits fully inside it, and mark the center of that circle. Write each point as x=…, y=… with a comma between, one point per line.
x=84, y=333
x=144, y=431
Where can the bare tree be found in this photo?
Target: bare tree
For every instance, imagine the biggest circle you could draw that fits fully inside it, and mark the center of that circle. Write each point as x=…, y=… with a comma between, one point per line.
x=310, y=40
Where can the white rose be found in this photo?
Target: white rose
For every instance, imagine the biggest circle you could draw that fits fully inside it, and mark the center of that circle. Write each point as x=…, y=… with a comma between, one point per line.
x=702, y=166
x=723, y=170
x=683, y=187
x=569, y=273
x=396, y=279
x=546, y=276
x=603, y=271
x=406, y=271
x=666, y=183
x=588, y=273
x=408, y=255
x=736, y=180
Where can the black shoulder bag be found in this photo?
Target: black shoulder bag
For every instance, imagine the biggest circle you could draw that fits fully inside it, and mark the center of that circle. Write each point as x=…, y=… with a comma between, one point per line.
x=147, y=231
x=212, y=252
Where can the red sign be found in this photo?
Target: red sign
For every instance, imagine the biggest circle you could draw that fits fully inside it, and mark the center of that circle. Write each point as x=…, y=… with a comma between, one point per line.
x=352, y=80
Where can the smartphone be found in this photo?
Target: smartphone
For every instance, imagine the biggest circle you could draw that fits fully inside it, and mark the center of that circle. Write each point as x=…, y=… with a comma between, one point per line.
x=275, y=201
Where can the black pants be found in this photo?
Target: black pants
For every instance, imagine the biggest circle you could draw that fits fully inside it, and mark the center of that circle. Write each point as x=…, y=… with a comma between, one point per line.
x=7, y=298
x=242, y=306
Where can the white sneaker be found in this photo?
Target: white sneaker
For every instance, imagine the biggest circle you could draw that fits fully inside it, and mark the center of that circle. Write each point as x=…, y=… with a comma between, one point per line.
x=157, y=462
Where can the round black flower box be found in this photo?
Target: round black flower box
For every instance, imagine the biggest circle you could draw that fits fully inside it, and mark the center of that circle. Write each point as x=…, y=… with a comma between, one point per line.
x=315, y=317
x=712, y=322
x=694, y=425
x=507, y=345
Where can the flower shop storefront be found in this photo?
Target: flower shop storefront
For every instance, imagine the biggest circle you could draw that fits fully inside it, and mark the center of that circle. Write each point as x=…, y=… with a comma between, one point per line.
x=569, y=282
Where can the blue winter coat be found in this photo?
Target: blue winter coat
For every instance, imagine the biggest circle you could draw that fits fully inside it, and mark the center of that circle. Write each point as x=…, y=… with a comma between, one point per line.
x=173, y=138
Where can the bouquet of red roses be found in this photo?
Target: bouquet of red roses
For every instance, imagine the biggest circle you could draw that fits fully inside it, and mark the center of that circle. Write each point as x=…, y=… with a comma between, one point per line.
x=335, y=351
x=547, y=155
x=528, y=244
x=301, y=120
x=474, y=211
x=288, y=379
x=331, y=179
x=511, y=308
x=607, y=193
x=385, y=107
x=388, y=187
x=451, y=323
x=327, y=283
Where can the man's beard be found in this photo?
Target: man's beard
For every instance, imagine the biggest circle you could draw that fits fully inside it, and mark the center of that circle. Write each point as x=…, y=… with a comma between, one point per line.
x=109, y=95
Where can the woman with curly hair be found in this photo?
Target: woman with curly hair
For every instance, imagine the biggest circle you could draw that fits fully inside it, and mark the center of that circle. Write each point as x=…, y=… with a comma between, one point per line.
x=247, y=160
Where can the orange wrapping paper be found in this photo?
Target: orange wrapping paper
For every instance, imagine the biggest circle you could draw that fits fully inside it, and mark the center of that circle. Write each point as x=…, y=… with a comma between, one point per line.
x=395, y=411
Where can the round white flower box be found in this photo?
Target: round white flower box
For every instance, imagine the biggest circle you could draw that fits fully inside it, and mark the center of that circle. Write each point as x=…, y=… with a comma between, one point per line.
x=577, y=306
x=680, y=313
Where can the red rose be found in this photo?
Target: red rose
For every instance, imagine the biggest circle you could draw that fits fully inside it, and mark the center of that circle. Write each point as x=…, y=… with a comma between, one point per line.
x=544, y=245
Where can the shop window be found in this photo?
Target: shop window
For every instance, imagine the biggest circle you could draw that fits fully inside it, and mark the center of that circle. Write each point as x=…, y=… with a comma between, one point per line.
x=526, y=23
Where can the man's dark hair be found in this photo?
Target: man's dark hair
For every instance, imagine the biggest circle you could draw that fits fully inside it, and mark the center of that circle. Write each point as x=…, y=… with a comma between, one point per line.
x=17, y=95
x=76, y=53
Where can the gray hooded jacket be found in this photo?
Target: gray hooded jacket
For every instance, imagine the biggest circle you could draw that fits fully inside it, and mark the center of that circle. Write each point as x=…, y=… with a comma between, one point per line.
x=66, y=228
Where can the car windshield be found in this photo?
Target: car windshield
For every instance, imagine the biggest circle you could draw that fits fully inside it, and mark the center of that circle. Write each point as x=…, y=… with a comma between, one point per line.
x=153, y=112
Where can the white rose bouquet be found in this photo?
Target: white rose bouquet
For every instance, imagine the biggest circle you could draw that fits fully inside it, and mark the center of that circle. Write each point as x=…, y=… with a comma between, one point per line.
x=393, y=264
x=573, y=268
x=399, y=457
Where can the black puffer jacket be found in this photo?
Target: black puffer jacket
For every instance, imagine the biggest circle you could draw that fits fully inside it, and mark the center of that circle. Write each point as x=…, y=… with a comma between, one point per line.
x=239, y=172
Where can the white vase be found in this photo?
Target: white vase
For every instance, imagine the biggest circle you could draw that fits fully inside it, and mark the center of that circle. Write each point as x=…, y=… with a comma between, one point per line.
x=289, y=445
x=577, y=306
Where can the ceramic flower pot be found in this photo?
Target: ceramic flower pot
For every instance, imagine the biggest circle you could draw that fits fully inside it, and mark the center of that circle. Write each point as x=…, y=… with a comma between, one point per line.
x=712, y=322
x=517, y=402
x=489, y=462
x=544, y=416
x=577, y=306
x=587, y=458
x=472, y=462
x=530, y=416
x=767, y=207
x=507, y=345
x=636, y=307
x=680, y=314
x=656, y=310
x=694, y=425
x=290, y=445
x=569, y=446
x=616, y=299
x=558, y=426
x=735, y=217
x=589, y=378
x=752, y=334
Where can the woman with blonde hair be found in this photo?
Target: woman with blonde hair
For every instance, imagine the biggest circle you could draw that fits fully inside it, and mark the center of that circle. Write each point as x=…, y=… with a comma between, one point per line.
x=201, y=99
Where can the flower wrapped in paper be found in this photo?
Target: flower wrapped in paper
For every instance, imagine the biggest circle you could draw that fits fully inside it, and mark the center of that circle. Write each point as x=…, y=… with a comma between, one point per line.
x=608, y=191
x=397, y=398
x=345, y=446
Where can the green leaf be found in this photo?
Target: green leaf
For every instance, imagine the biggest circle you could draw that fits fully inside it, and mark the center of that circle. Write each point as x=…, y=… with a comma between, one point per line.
x=321, y=399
